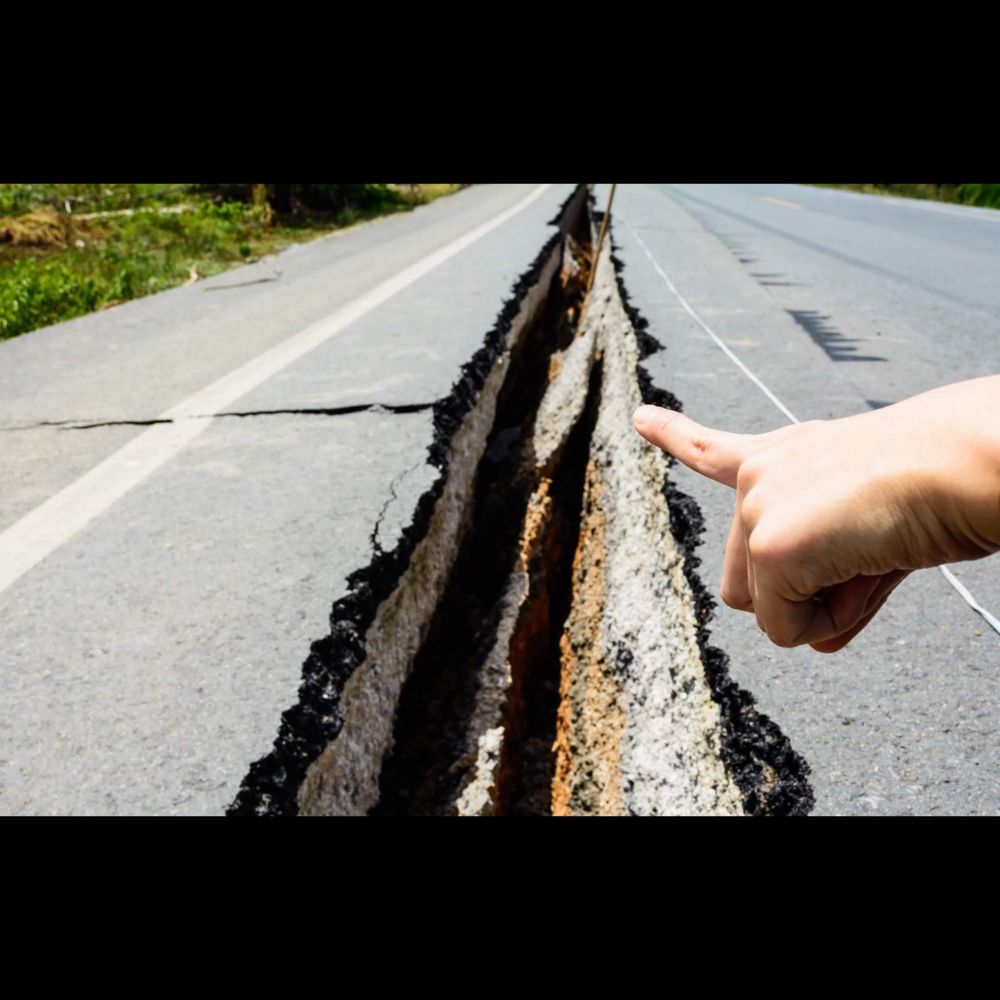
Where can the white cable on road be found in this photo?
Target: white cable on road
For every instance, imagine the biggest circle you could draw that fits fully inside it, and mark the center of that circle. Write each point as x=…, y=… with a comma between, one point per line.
x=948, y=575
x=969, y=599
x=28, y=541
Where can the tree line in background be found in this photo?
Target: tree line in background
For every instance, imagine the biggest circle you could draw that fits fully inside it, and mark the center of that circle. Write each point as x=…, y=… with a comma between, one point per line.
x=985, y=195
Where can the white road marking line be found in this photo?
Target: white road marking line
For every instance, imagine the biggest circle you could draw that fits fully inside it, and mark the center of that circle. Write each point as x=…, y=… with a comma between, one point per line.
x=28, y=541
x=732, y=357
x=948, y=575
x=969, y=599
x=779, y=201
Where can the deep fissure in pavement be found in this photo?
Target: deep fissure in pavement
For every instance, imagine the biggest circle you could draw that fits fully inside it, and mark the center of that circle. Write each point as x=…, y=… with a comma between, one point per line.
x=527, y=763
x=384, y=612
x=536, y=642
x=536, y=692
x=519, y=514
x=772, y=777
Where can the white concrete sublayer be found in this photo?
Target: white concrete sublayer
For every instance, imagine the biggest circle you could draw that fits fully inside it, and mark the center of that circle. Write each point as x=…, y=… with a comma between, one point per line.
x=560, y=409
x=670, y=751
x=344, y=779
x=484, y=734
x=668, y=760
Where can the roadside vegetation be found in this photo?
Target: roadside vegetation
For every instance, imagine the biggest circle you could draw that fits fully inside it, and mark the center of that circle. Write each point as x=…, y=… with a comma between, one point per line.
x=68, y=249
x=984, y=195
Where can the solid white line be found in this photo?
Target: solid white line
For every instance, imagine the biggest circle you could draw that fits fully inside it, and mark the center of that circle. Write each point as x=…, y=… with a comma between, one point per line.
x=28, y=541
x=969, y=599
x=948, y=575
x=732, y=357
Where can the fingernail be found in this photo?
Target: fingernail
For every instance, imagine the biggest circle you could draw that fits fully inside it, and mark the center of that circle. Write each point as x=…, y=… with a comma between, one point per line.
x=643, y=416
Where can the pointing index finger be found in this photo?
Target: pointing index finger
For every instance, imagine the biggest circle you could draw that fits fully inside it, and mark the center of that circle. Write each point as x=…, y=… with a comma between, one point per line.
x=713, y=453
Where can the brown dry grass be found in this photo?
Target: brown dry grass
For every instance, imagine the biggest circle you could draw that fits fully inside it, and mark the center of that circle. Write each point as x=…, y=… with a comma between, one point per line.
x=44, y=228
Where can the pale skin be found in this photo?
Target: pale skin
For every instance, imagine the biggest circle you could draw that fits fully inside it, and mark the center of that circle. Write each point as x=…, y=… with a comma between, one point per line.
x=831, y=515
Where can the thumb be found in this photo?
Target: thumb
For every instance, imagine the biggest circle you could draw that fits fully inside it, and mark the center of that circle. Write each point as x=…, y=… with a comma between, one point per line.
x=716, y=454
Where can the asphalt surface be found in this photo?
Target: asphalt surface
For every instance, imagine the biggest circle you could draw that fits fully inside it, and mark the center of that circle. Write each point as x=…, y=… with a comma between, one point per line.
x=146, y=660
x=837, y=302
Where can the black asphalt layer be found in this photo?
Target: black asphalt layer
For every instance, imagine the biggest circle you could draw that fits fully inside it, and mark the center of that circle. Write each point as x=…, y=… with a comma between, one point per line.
x=837, y=302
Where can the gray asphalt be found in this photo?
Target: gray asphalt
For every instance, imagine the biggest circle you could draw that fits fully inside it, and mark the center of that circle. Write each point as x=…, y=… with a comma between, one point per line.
x=845, y=302
x=146, y=662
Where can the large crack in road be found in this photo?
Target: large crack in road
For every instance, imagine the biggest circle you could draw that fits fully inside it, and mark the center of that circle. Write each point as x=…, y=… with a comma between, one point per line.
x=537, y=642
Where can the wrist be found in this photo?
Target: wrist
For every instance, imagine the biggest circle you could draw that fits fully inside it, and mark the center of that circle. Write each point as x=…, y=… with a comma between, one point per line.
x=981, y=492
x=970, y=471
x=946, y=453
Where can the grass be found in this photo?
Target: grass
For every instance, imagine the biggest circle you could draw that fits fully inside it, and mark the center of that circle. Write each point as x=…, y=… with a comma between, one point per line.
x=983, y=195
x=55, y=265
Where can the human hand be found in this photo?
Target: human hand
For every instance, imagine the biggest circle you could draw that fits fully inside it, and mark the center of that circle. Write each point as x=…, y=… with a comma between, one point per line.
x=831, y=515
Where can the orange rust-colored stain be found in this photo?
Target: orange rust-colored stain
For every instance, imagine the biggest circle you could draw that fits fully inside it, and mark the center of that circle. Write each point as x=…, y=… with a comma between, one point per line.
x=562, y=781
x=589, y=723
x=529, y=638
x=535, y=520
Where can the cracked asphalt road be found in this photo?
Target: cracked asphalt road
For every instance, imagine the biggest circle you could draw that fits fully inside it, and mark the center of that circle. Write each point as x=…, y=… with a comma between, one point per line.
x=837, y=301
x=146, y=661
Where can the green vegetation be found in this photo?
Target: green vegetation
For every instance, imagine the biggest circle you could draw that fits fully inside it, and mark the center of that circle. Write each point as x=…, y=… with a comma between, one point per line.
x=68, y=249
x=985, y=195
x=16, y=199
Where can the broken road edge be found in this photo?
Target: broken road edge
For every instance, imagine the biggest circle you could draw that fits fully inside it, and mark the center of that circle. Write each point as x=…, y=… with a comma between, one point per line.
x=332, y=744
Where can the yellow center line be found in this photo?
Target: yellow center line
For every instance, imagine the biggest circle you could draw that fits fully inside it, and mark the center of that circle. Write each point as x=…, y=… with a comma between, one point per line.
x=778, y=201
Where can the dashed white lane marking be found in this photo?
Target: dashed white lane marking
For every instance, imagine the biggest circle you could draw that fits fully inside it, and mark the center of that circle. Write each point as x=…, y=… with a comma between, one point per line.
x=779, y=201
x=963, y=591
x=28, y=541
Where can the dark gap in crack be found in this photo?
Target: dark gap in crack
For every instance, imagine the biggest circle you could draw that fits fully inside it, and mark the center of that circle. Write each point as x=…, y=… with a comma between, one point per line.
x=528, y=759
x=334, y=411
x=241, y=284
x=771, y=775
x=114, y=423
x=422, y=772
x=326, y=411
x=272, y=782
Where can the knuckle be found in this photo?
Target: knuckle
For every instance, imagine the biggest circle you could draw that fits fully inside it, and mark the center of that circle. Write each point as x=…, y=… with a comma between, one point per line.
x=777, y=632
x=750, y=471
x=748, y=475
x=782, y=638
x=728, y=595
x=752, y=507
x=766, y=546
